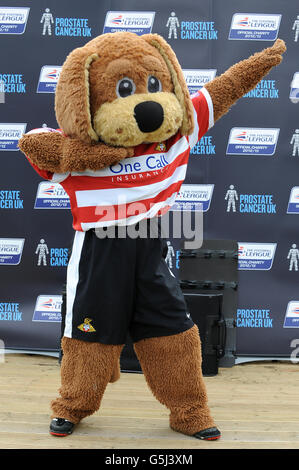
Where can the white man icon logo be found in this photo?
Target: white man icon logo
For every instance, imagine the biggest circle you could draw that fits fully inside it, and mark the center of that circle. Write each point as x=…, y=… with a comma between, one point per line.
x=293, y=256
x=172, y=24
x=295, y=143
x=296, y=28
x=231, y=197
x=42, y=250
x=47, y=19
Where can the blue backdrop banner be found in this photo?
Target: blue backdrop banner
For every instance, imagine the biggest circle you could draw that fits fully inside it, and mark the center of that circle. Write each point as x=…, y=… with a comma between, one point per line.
x=244, y=172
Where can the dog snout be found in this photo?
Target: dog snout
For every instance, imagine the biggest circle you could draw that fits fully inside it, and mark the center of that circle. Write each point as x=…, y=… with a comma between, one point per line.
x=149, y=116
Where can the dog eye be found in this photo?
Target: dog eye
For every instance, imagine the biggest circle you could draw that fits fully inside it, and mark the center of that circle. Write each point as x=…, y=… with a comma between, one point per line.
x=125, y=87
x=153, y=84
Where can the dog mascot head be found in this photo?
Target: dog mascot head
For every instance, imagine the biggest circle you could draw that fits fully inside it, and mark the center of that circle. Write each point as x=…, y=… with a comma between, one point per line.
x=124, y=90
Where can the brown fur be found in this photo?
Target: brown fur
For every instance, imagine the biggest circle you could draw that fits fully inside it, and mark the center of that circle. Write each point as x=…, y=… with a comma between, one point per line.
x=53, y=152
x=242, y=77
x=115, y=122
x=86, y=369
x=72, y=96
x=180, y=87
x=171, y=365
x=172, y=368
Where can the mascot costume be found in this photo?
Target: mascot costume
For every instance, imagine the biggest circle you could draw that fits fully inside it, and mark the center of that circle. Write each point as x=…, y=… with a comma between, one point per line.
x=126, y=127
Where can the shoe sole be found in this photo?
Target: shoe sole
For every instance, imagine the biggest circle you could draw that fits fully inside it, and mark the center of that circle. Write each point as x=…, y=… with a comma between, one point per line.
x=212, y=438
x=208, y=438
x=59, y=434
x=203, y=439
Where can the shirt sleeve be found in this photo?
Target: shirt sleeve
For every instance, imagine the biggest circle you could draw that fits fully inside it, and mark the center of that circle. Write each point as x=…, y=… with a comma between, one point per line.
x=203, y=115
x=47, y=175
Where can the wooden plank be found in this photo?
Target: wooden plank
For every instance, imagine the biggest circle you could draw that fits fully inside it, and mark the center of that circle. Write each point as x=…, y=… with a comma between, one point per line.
x=164, y=435
x=43, y=441
x=252, y=403
x=110, y=421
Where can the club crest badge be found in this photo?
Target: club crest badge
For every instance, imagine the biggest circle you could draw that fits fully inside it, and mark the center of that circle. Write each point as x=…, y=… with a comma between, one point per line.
x=86, y=326
x=161, y=147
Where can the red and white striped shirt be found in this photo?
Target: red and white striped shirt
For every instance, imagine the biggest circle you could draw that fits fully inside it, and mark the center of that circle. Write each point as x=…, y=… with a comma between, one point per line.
x=139, y=187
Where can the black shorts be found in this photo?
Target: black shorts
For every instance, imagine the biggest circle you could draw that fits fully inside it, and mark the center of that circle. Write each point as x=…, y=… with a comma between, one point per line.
x=121, y=286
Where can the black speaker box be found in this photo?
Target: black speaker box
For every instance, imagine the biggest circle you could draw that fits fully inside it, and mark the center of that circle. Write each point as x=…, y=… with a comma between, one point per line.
x=206, y=312
x=213, y=269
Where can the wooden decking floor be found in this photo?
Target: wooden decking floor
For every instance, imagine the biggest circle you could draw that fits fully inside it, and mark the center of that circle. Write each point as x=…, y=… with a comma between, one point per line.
x=254, y=404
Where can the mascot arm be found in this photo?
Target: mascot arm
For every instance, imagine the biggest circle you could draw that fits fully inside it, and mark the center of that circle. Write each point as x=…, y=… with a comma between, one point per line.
x=242, y=77
x=53, y=152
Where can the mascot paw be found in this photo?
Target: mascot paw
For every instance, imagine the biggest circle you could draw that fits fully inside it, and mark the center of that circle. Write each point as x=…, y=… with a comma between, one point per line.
x=54, y=152
x=43, y=148
x=275, y=52
x=279, y=46
x=78, y=156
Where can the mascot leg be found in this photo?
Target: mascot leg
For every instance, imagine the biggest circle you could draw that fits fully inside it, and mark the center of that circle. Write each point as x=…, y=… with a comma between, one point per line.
x=86, y=369
x=172, y=368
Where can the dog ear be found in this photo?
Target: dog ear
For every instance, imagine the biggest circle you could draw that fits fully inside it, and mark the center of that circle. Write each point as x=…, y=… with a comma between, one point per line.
x=72, y=106
x=180, y=87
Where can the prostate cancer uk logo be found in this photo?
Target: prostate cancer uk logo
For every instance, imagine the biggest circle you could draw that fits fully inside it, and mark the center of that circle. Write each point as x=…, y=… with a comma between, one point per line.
x=11, y=250
x=265, y=89
x=256, y=256
x=189, y=30
x=13, y=20
x=253, y=26
x=252, y=141
x=48, y=78
x=139, y=22
x=48, y=308
x=10, y=135
x=64, y=27
x=12, y=83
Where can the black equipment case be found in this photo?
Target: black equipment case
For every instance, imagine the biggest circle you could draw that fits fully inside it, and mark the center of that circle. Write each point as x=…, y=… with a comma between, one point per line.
x=209, y=281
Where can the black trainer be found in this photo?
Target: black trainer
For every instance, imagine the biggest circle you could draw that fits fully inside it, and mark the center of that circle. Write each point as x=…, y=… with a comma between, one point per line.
x=61, y=427
x=209, y=434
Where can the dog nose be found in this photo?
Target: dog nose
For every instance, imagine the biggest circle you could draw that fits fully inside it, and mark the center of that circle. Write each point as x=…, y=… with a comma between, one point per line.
x=149, y=116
